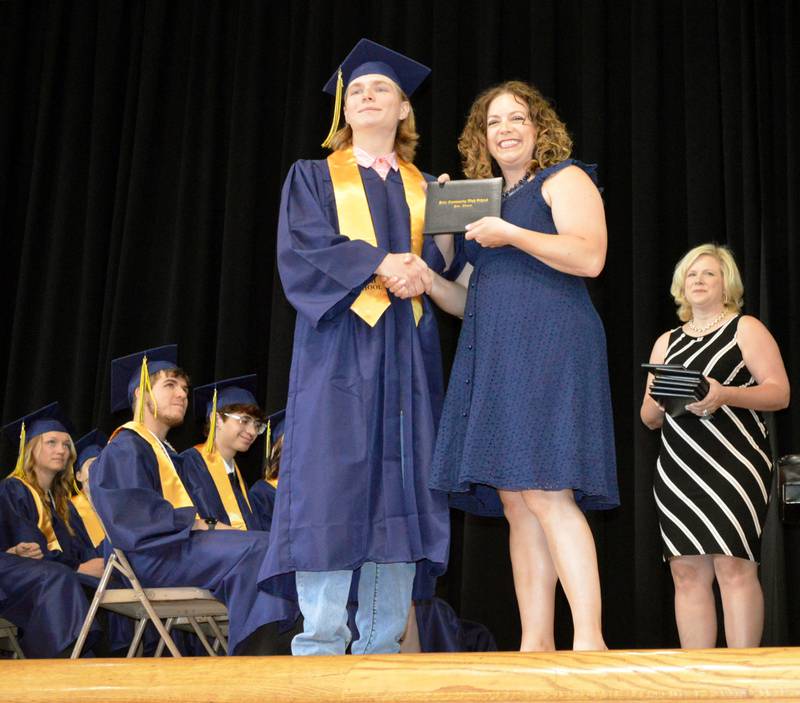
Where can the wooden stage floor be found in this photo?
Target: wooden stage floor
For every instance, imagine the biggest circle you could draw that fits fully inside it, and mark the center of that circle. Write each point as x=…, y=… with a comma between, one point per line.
x=768, y=674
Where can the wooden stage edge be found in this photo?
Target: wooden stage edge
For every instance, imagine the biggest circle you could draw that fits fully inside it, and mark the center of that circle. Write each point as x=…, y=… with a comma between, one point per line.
x=771, y=674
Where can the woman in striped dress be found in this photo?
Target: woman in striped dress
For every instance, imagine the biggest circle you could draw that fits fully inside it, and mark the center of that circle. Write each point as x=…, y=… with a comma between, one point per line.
x=713, y=471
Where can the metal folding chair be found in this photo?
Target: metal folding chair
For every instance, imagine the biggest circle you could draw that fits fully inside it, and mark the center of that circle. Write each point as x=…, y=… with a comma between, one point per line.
x=8, y=639
x=194, y=609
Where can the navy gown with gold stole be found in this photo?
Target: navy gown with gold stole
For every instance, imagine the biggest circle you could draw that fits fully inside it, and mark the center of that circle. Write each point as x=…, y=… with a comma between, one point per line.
x=149, y=515
x=215, y=493
x=364, y=396
x=23, y=517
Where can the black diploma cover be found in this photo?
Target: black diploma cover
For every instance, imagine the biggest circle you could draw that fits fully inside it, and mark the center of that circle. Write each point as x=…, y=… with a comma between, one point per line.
x=449, y=207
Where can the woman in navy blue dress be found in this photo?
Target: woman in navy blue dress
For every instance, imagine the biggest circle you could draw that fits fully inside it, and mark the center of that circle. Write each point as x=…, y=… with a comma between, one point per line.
x=528, y=409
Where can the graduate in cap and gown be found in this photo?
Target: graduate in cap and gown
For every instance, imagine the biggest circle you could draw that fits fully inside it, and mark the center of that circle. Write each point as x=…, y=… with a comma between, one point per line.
x=262, y=492
x=149, y=514
x=209, y=470
x=366, y=383
x=88, y=448
x=47, y=562
x=36, y=498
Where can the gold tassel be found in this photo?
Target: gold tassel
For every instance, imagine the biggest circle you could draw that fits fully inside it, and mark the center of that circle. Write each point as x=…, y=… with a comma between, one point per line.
x=19, y=471
x=144, y=387
x=212, y=427
x=267, y=447
x=337, y=109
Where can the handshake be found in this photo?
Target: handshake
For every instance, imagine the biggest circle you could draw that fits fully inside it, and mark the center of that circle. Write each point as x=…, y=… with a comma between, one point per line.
x=405, y=275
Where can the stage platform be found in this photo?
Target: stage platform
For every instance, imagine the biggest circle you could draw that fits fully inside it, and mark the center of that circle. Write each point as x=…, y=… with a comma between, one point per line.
x=769, y=674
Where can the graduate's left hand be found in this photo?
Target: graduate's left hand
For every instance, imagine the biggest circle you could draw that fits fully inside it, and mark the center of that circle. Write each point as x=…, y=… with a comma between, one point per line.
x=491, y=232
x=714, y=400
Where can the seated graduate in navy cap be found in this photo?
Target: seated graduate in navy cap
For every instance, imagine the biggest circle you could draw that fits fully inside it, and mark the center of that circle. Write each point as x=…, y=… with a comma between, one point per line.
x=209, y=470
x=88, y=448
x=262, y=492
x=366, y=380
x=148, y=513
x=36, y=497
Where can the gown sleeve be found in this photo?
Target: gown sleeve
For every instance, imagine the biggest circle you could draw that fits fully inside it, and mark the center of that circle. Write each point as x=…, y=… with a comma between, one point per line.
x=198, y=482
x=126, y=492
x=321, y=269
x=18, y=517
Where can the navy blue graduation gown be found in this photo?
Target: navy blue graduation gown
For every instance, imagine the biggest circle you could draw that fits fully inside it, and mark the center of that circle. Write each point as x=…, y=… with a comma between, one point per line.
x=45, y=600
x=20, y=524
x=262, y=500
x=363, y=402
x=204, y=494
x=161, y=546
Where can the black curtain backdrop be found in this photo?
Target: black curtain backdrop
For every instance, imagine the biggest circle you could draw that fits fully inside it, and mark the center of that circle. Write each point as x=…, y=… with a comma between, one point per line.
x=143, y=146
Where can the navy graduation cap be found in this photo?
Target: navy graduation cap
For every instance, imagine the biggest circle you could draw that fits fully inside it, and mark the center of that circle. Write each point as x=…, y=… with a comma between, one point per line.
x=369, y=57
x=276, y=425
x=126, y=372
x=50, y=418
x=232, y=391
x=90, y=446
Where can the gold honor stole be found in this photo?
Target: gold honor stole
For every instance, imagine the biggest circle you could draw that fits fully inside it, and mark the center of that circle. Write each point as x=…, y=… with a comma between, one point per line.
x=53, y=545
x=272, y=482
x=172, y=487
x=219, y=474
x=90, y=520
x=355, y=222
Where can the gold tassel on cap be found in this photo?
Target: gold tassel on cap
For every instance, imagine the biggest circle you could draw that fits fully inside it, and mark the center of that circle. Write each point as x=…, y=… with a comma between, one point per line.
x=212, y=427
x=19, y=472
x=267, y=446
x=144, y=387
x=337, y=109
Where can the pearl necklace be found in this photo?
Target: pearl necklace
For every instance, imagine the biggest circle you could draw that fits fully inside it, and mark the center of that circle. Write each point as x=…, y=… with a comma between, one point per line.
x=700, y=330
x=513, y=189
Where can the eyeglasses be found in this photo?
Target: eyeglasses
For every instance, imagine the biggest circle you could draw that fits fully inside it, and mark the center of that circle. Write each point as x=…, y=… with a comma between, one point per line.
x=245, y=420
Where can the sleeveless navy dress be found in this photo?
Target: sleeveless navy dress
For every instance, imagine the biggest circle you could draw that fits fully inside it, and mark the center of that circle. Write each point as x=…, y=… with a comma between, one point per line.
x=528, y=404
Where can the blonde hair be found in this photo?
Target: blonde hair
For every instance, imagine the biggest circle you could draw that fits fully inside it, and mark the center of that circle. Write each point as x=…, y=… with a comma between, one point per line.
x=553, y=143
x=63, y=485
x=732, y=286
x=405, y=139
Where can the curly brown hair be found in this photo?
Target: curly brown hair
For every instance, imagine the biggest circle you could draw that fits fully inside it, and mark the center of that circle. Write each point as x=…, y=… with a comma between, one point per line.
x=405, y=141
x=553, y=143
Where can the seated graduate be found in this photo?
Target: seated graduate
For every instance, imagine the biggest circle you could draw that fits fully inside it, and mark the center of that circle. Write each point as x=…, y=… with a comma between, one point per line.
x=88, y=449
x=209, y=470
x=262, y=492
x=35, y=498
x=148, y=513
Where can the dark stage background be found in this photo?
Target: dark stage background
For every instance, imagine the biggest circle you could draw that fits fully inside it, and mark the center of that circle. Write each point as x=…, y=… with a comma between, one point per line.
x=143, y=146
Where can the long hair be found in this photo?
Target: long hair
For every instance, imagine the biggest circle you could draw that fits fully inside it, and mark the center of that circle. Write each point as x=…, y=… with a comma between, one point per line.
x=732, y=286
x=553, y=143
x=274, y=462
x=63, y=485
x=405, y=140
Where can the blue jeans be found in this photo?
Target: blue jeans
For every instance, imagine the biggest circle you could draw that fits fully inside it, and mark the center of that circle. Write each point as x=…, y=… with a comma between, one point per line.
x=384, y=597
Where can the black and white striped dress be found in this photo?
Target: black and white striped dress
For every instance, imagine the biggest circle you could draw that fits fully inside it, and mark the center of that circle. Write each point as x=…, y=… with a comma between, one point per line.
x=713, y=474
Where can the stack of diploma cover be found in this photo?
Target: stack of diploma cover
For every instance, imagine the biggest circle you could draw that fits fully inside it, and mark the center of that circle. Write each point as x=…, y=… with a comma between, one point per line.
x=674, y=387
x=451, y=206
